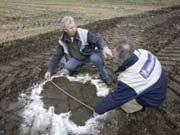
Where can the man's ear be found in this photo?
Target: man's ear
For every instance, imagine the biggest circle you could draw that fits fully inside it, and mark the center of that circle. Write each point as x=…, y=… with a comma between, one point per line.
x=76, y=25
x=125, y=46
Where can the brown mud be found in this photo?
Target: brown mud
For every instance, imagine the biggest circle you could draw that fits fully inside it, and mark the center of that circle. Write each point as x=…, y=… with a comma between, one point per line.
x=86, y=93
x=24, y=62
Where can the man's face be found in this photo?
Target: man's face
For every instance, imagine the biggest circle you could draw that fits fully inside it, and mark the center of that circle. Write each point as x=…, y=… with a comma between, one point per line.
x=71, y=29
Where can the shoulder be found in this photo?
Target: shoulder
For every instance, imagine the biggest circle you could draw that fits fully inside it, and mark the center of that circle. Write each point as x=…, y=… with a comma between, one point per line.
x=81, y=30
x=63, y=36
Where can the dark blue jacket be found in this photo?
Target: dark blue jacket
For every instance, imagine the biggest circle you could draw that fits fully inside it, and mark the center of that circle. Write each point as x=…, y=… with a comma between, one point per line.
x=94, y=43
x=149, y=89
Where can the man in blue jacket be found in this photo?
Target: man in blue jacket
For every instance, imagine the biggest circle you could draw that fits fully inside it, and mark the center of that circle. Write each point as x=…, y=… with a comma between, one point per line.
x=141, y=81
x=79, y=46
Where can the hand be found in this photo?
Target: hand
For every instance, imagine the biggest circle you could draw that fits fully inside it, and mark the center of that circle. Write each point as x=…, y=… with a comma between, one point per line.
x=95, y=114
x=47, y=75
x=106, y=52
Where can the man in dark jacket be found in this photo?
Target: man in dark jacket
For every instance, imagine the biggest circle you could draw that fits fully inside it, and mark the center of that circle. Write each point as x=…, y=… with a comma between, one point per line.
x=141, y=81
x=80, y=47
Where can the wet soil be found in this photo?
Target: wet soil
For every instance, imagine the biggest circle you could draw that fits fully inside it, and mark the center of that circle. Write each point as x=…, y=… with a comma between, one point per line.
x=24, y=62
x=86, y=93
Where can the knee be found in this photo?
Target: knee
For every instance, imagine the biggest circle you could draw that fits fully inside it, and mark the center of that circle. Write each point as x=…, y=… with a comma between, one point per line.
x=69, y=66
x=96, y=59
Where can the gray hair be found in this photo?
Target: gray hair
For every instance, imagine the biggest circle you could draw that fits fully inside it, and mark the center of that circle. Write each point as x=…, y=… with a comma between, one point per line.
x=124, y=54
x=67, y=20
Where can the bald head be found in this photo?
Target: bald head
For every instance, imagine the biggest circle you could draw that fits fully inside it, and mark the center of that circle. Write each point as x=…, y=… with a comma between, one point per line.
x=124, y=49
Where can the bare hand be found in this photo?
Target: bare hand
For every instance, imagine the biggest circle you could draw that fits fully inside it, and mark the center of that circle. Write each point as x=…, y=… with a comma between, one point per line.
x=107, y=52
x=47, y=75
x=95, y=114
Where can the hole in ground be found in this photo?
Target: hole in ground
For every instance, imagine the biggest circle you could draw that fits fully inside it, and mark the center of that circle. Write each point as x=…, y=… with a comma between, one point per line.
x=86, y=93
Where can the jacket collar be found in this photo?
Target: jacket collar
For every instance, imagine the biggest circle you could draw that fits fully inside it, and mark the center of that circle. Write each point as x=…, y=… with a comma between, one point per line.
x=66, y=37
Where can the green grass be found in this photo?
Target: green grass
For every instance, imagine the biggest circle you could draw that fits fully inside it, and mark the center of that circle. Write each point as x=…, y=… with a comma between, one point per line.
x=25, y=16
x=26, y=8
x=107, y=2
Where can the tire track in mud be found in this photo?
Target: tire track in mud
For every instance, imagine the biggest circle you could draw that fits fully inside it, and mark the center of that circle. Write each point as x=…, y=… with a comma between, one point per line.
x=170, y=58
x=161, y=36
x=157, y=31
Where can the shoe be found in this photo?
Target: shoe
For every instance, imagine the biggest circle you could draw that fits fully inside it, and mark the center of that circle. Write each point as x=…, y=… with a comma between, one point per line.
x=108, y=81
x=72, y=73
x=143, y=109
x=63, y=72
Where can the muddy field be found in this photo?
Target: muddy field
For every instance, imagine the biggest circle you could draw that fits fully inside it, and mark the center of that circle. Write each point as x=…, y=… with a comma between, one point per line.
x=24, y=18
x=23, y=63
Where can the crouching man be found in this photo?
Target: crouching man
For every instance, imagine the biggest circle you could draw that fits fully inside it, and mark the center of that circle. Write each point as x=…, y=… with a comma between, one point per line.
x=141, y=81
x=79, y=46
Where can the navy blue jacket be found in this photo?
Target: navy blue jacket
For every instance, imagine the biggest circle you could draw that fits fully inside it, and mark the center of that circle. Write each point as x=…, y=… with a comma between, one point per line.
x=148, y=90
x=94, y=42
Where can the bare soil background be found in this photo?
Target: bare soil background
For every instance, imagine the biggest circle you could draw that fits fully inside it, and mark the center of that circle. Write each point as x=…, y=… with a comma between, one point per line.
x=24, y=61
